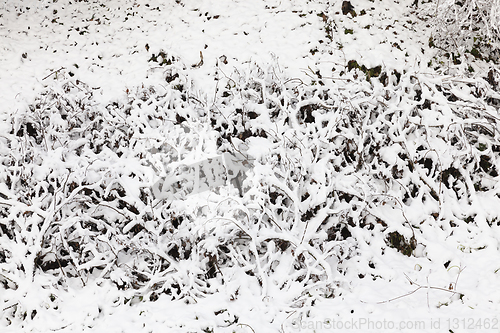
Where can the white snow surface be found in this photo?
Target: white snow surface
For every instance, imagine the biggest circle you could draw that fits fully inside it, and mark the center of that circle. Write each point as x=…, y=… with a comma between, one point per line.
x=357, y=283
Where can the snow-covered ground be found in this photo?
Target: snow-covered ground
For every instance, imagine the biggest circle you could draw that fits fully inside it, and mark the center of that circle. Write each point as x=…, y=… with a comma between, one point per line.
x=370, y=200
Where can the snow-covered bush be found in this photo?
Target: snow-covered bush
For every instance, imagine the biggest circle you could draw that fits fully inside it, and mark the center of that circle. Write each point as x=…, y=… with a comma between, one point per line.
x=339, y=172
x=466, y=26
x=76, y=199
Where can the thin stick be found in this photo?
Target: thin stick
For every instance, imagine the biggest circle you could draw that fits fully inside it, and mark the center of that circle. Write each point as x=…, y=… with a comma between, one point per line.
x=54, y=72
x=417, y=289
x=247, y=326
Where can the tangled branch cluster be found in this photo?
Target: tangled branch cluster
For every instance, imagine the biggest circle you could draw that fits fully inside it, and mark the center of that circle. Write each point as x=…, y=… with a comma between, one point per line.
x=466, y=26
x=337, y=167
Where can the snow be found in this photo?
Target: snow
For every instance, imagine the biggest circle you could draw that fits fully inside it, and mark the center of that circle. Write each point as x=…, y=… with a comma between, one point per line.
x=226, y=166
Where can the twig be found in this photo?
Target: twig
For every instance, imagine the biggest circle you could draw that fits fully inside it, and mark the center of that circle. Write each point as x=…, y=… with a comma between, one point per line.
x=460, y=270
x=200, y=63
x=10, y=306
x=291, y=314
x=54, y=72
x=417, y=289
x=247, y=326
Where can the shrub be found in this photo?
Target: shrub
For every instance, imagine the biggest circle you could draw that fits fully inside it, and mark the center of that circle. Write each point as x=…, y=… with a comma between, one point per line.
x=466, y=26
